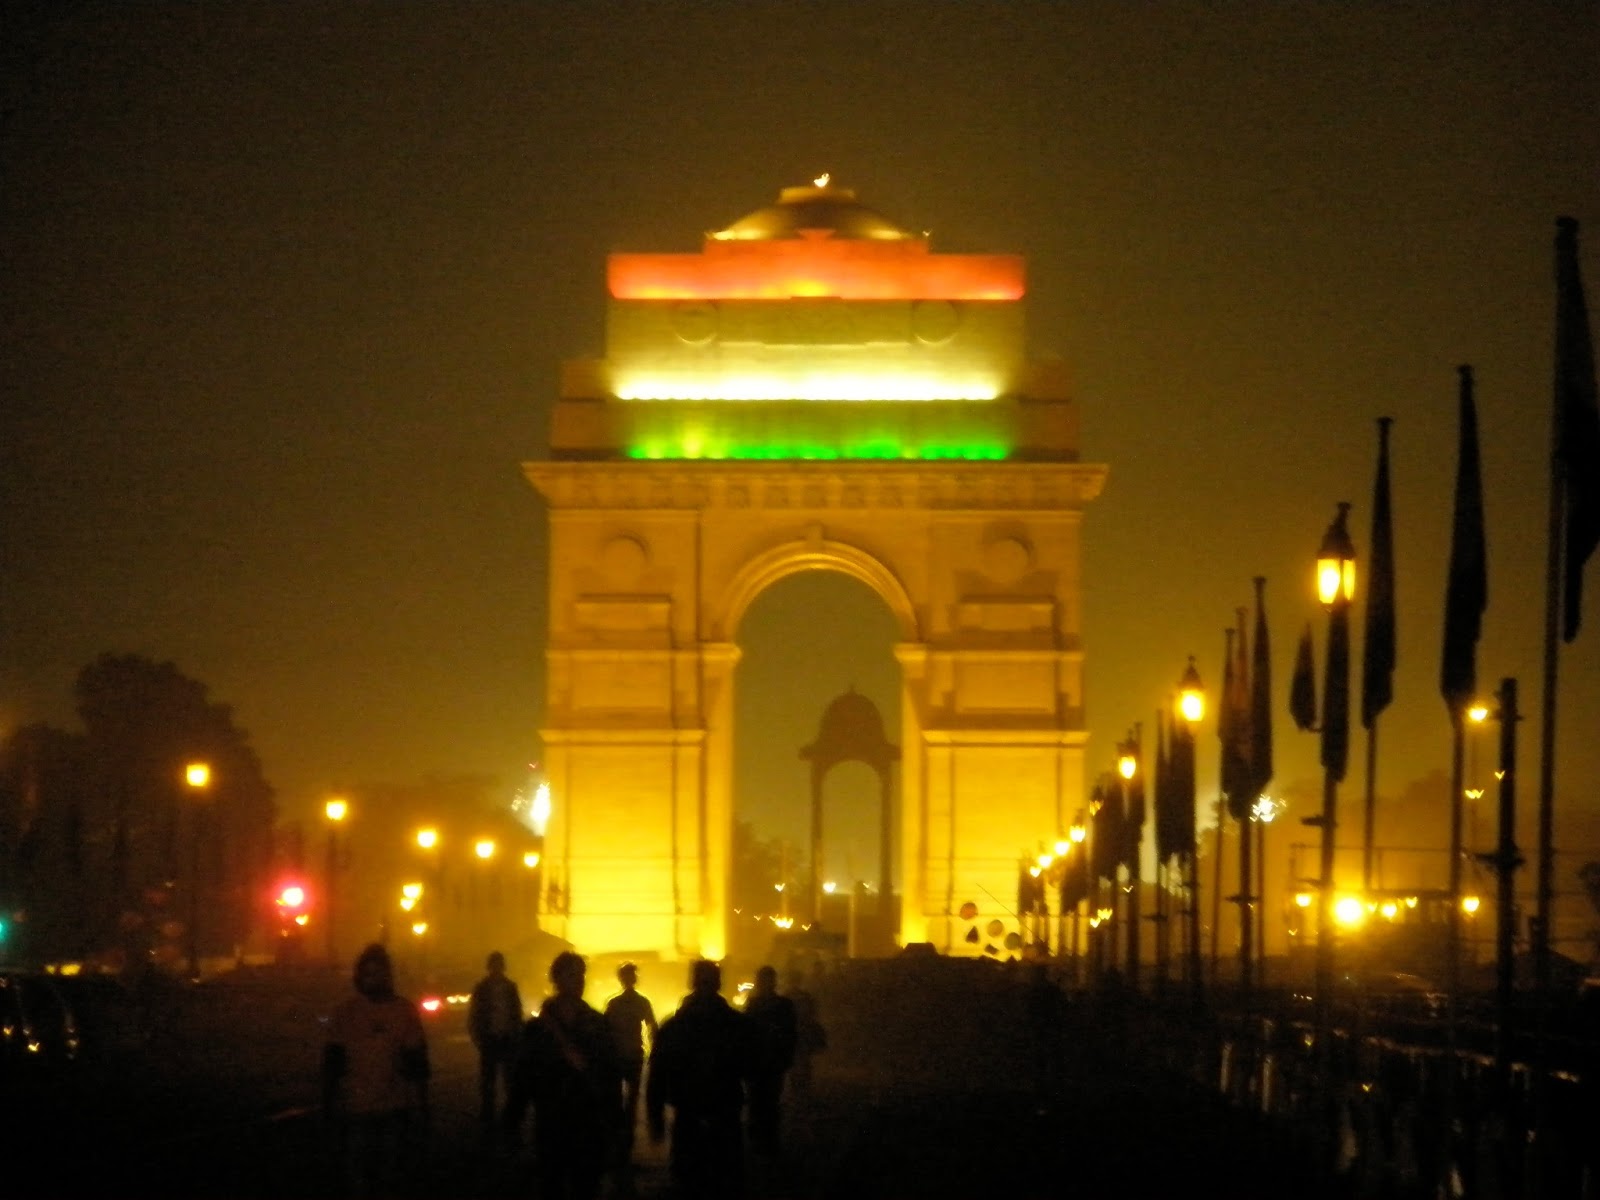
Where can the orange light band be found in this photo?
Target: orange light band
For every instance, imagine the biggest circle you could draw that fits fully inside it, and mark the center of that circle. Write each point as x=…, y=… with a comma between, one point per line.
x=849, y=269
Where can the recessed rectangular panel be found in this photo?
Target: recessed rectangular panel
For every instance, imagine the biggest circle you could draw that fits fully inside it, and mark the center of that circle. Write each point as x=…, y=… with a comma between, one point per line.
x=1005, y=685
x=630, y=684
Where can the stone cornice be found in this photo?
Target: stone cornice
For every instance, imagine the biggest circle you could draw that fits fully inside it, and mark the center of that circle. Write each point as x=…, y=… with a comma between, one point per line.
x=724, y=484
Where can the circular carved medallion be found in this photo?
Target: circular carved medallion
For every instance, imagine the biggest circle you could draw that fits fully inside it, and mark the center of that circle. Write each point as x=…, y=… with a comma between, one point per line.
x=1007, y=558
x=695, y=322
x=934, y=321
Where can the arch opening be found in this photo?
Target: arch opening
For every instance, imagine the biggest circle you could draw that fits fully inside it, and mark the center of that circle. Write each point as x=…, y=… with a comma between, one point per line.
x=808, y=635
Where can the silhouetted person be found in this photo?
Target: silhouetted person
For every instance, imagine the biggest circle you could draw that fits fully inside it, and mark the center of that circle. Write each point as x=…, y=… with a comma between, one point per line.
x=697, y=1068
x=630, y=1015
x=494, y=1021
x=567, y=1067
x=772, y=1054
x=810, y=1037
x=375, y=1077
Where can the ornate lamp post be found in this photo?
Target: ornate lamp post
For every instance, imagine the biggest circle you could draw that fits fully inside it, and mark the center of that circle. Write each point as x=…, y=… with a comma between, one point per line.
x=429, y=842
x=335, y=810
x=1336, y=585
x=1099, y=845
x=1191, y=708
x=197, y=778
x=1477, y=714
x=1075, y=893
x=1133, y=814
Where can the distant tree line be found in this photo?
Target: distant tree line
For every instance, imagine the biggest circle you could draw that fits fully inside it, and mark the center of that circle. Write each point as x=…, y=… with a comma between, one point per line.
x=106, y=850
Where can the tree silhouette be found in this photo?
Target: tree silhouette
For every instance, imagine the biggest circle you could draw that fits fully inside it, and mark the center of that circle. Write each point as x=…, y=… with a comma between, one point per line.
x=99, y=834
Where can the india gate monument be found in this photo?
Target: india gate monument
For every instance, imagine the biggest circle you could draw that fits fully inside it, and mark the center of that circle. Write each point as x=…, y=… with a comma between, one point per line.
x=815, y=390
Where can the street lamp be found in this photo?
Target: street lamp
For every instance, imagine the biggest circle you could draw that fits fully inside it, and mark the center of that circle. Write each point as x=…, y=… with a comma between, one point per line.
x=336, y=810
x=1477, y=714
x=1336, y=585
x=1262, y=813
x=1191, y=709
x=1133, y=817
x=197, y=777
x=1107, y=836
x=1074, y=885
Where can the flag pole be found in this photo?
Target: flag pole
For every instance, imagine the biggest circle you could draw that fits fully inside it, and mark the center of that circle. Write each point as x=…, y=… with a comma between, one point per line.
x=1244, y=781
x=1574, y=535
x=1226, y=716
x=1466, y=598
x=1378, y=645
x=1572, y=434
x=1547, y=718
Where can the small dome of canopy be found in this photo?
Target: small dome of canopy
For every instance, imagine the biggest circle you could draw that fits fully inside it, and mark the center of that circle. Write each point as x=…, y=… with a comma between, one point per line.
x=816, y=210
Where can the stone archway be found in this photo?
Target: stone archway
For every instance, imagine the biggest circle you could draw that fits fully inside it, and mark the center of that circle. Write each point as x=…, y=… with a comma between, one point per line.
x=740, y=431
x=851, y=730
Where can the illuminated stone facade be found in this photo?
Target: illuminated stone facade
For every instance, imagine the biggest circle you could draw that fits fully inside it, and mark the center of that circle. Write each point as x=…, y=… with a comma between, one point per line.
x=816, y=390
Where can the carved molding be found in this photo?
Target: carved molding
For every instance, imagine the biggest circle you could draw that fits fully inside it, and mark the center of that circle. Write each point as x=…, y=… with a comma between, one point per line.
x=934, y=487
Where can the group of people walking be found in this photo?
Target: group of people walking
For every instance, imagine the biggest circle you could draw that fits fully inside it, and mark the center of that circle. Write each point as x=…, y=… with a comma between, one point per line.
x=582, y=1072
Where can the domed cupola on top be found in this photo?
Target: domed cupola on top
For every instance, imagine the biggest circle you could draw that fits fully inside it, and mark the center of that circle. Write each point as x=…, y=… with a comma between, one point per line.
x=816, y=211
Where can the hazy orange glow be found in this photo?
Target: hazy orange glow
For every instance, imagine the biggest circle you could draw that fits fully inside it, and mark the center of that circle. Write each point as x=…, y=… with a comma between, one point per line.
x=848, y=268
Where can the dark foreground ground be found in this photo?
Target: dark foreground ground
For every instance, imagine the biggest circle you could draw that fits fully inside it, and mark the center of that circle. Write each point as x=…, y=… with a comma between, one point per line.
x=937, y=1083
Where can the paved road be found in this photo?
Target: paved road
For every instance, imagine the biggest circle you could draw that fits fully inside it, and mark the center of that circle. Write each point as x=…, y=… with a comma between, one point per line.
x=933, y=1086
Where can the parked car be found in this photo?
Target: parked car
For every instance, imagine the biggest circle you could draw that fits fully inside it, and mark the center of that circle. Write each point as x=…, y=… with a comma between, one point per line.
x=111, y=1022
x=37, y=1026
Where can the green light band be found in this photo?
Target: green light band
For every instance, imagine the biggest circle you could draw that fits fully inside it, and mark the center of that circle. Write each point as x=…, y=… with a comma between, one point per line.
x=661, y=449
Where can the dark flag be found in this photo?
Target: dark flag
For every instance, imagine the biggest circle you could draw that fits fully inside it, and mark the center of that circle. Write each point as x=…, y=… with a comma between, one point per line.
x=1233, y=724
x=1166, y=818
x=1378, y=645
x=1074, y=886
x=1260, y=699
x=1180, y=764
x=1578, y=424
x=1106, y=855
x=1467, y=590
x=1303, y=687
x=1226, y=716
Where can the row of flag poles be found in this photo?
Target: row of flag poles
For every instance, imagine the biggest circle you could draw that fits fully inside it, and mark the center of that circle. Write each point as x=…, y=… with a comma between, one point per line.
x=1244, y=722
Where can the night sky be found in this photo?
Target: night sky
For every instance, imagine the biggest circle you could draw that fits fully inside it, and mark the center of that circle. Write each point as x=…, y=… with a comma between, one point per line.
x=288, y=287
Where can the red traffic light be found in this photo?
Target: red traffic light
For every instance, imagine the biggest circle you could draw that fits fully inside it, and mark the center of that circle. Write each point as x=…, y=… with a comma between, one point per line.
x=292, y=899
